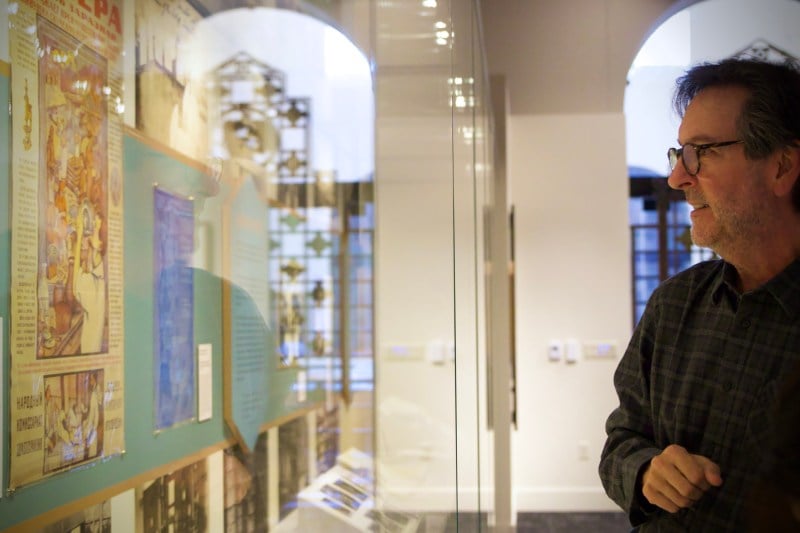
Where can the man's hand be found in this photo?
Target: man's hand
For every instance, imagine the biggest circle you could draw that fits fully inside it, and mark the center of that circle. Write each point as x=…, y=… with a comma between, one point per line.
x=676, y=479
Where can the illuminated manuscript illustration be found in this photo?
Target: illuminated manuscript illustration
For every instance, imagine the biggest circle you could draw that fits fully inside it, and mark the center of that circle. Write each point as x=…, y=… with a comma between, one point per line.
x=66, y=328
x=72, y=285
x=73, y=418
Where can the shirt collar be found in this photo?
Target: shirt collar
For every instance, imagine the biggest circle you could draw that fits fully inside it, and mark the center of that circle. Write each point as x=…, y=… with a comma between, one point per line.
x=785, y=287
x=724, y=283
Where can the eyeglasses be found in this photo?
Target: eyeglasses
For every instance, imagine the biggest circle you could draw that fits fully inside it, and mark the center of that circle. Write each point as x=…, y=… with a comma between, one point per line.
x=690, y=154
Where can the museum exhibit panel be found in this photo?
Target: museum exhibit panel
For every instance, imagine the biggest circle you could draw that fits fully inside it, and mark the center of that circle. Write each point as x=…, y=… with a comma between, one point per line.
x=246, y=266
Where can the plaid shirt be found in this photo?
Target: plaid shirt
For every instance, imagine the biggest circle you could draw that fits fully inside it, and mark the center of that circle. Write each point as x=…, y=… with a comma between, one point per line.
x=702, y=370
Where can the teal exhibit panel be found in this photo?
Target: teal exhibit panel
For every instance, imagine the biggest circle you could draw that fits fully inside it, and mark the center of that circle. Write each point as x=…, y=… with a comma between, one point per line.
x=149, y=448
x=145, y=448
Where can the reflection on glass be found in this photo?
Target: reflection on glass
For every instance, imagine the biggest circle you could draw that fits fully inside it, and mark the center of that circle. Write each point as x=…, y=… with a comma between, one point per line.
x=250, y=227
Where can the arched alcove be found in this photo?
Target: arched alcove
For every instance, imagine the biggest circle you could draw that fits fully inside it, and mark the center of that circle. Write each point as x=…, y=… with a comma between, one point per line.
x=698, y=31
x=689, y=33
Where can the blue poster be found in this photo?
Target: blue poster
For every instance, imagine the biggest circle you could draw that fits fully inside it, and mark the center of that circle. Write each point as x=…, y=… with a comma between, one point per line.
x=173, y=228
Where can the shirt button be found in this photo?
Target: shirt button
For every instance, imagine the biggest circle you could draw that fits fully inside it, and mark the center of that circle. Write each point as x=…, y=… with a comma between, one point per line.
x=745, y=323
x=727, y=386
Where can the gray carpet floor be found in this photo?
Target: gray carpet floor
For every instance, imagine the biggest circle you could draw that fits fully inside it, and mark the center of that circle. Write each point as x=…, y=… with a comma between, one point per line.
x=614, y=522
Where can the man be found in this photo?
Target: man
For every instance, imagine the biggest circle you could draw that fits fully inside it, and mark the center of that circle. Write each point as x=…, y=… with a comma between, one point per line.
x=704, y=364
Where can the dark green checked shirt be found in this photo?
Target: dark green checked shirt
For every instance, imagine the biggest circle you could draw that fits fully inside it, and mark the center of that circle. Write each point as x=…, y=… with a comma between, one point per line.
x=702, y=370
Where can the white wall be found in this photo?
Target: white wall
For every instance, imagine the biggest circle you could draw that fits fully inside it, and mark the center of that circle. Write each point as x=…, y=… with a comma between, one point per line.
x=573, y=281
x=566, y=64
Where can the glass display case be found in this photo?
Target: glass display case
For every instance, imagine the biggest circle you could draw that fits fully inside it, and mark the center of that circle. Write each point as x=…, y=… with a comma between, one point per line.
x=243, y=276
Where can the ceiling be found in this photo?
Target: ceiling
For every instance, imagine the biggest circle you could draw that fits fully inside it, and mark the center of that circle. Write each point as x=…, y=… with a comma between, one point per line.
x=414, y=46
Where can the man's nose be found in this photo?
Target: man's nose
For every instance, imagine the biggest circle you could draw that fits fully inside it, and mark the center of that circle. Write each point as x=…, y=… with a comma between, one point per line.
x=680, y=179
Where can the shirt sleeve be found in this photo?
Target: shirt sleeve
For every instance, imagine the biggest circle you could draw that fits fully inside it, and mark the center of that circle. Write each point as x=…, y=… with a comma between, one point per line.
x=630, y=443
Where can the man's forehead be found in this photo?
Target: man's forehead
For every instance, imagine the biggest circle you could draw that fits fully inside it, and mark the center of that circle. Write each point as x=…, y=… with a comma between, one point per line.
x=723, y=97
x=712, y=112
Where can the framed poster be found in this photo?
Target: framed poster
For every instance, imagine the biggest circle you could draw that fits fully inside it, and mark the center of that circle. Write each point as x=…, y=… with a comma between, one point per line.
x=66, y=330
x=293, y=467
x=173, y=316
x=177, y=501
x=327, y=425
x=170, y=106
x=246, y=488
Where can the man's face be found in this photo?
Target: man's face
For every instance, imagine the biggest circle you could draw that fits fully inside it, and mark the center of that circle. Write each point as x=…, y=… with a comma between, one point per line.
x=729, y=195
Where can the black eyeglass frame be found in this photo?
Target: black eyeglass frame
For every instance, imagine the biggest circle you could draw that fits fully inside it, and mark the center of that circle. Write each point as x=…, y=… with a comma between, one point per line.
x=673, y=154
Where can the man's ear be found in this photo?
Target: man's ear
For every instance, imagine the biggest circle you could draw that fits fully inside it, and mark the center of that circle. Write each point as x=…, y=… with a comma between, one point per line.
x=788, y=169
